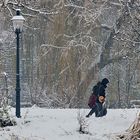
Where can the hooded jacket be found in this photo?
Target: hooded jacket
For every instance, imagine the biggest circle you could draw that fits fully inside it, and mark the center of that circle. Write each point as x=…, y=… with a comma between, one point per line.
x=102, y=87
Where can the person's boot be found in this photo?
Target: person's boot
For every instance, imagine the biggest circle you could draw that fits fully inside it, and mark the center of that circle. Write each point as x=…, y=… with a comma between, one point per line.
x=87, y=116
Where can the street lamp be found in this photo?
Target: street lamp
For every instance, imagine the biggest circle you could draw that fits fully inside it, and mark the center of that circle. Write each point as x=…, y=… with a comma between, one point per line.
x=18, y=24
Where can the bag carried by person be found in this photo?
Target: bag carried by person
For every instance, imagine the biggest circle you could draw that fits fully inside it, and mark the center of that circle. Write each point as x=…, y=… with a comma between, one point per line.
x=93, y=97
x=92, y=101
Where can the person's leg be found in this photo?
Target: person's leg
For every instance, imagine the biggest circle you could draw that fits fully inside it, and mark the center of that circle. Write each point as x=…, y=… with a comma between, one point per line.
x=104, y=111
x=91, y=111
x=98, y=112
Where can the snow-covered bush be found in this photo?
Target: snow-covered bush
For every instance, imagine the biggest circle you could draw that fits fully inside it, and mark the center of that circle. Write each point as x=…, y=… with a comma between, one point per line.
x=5, y=118
x=133, y=132
x=83, y=124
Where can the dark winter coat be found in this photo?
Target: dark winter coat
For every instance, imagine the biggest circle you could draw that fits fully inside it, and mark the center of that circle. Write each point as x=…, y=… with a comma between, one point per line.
x=101, y=89
x=95, y=89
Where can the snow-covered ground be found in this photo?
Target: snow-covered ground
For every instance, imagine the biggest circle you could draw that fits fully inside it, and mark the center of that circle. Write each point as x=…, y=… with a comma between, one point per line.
x=62, y=124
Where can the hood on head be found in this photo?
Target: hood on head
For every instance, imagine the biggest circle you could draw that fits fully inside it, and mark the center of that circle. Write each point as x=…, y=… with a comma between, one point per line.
x=105, y=81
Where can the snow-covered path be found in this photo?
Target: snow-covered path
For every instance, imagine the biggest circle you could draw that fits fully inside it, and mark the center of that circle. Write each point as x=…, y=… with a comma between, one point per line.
x=62, y=124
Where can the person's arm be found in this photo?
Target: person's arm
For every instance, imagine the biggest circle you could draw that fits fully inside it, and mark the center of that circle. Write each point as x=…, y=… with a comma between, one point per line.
x=102, y=91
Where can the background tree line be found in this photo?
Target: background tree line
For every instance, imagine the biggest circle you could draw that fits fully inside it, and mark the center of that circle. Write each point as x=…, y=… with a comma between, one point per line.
x=69, y=45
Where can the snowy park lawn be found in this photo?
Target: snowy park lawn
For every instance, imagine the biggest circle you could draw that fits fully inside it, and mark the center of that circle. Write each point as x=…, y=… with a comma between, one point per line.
x=62, y=124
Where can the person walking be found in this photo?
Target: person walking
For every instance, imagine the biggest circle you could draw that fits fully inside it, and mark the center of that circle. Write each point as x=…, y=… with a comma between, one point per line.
x=99, y=99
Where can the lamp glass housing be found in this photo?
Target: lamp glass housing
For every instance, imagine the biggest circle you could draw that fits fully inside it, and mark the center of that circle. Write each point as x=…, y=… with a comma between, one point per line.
x=18, y=21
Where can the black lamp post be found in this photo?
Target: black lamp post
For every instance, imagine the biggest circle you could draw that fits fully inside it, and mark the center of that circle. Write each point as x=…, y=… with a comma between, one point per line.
x=18, y=24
